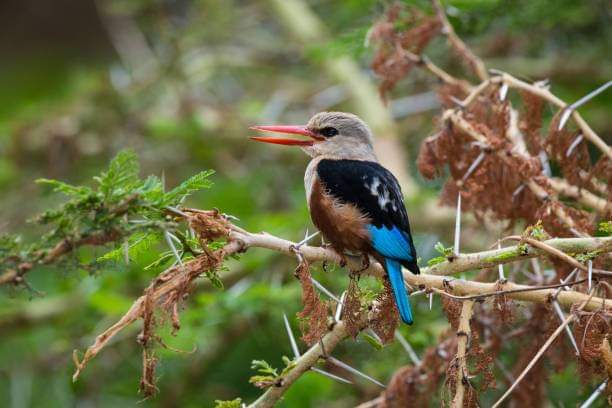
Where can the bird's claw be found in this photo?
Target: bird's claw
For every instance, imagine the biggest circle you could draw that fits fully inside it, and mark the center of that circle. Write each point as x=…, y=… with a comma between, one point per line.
x=365, y=264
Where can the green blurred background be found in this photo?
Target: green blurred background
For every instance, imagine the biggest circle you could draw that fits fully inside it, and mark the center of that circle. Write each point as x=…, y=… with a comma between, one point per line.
x=180, y=82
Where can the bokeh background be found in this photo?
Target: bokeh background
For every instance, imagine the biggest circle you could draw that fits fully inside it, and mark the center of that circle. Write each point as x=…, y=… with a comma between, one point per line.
x=180, y=82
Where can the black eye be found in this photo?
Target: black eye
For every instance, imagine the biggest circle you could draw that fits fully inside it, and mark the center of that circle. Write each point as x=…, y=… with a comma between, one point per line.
x=329, y=131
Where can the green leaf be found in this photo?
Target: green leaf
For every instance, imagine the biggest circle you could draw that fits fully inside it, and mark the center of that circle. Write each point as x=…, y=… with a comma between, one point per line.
x=604, y=229
x=122, y=174
x=263, y=367
x=65, y=188
x=372, y=341
x=436, y=260
x=139, y=243
x=192, y=184
x=443, y=250
x=235, y=403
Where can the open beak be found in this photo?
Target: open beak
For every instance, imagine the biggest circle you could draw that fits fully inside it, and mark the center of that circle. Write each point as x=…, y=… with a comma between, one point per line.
x=292, y=130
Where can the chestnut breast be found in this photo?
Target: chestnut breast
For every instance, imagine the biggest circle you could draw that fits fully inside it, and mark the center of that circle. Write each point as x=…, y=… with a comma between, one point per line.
x=342, y=224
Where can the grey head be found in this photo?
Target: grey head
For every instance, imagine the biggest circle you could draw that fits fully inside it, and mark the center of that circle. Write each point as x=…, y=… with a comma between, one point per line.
x=341, y=135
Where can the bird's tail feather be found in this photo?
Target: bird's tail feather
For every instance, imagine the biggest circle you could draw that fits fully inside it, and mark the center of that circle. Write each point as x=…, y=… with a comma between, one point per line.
x=394, y=271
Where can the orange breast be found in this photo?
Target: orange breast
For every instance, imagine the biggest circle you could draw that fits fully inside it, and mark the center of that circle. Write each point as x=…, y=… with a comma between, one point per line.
x=342, y=224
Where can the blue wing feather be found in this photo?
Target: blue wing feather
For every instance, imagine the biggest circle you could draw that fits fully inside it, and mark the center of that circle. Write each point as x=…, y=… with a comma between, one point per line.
x=391, y=243
x=395, y=246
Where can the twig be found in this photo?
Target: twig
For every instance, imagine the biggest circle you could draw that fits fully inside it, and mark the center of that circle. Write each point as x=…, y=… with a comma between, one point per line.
x=551, y=250
x=582, y=195
x=302, y=365
x=545, y=94
x=406, y=345
x=535, y=359
x=457, y=43
x=463, y=338
x=455, y=116
x=479, y=296
x=595, y=395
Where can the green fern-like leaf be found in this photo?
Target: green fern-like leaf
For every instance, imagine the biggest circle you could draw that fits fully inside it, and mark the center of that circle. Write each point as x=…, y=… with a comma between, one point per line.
x=65, y=188
x=122, y=174
x=235, y=403
x=138, y=244
x=192, y=184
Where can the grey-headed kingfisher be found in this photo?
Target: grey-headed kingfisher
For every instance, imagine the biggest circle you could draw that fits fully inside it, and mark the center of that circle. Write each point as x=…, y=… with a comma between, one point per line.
x=355, y=202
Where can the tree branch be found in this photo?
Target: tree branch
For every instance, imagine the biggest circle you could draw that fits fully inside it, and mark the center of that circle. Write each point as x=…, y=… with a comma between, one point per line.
x=302, y=365
x=174, y=280
x=463, y=340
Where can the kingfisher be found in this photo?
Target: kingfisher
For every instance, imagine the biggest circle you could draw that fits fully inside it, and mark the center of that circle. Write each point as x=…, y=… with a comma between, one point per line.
x=356, y=203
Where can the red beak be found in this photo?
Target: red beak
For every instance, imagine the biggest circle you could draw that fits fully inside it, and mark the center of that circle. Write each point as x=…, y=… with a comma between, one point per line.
x=292, y=130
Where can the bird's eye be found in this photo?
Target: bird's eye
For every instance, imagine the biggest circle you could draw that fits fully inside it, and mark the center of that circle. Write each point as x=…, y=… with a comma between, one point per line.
x=329, y=131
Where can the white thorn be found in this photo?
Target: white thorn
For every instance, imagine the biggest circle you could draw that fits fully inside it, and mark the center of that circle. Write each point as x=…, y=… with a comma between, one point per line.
x=324, y=289
x=168, y=237
x=339, y=307
x=571, y=108
x=594, y=395
x=590, y=275
x=567, y=279
x=575, y=143
x=294, y=347
x=567, y=329
x=330, y=375
x=402, y=340
x=518, y=191
x=177, y=211
x=500, y=267
x=430, y=300
x=473, y=166
x=347, y=367
x=307, y=238
x=417, y=292
x=503, y=92
x=458, y=224
x=565, y=116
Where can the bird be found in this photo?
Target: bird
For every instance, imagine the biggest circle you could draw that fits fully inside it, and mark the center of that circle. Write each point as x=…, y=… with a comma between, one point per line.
x=354, y=201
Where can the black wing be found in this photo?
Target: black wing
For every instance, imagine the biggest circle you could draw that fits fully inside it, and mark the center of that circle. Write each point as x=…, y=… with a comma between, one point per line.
x=370, y=187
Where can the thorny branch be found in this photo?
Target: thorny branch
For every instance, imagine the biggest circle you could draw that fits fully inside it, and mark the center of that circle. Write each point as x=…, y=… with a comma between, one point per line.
x=172, y=285
x=304, y=363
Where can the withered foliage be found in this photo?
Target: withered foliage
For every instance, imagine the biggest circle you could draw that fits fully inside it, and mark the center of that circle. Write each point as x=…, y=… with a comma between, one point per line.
x=499, y=156
x=162, y=299
x=591, y=331
x=386, y=316
x=415, y=386
x=452, y=310
x=502, y=306
x=313, y=318
x=535, y=332
x=353, y=309
x=531, y=121
x=400, y=35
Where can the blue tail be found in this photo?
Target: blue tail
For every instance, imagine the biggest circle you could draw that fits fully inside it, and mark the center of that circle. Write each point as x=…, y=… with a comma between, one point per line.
x=394, y=270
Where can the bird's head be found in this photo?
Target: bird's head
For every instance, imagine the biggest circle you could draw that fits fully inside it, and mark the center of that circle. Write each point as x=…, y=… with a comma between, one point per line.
x=330, y=134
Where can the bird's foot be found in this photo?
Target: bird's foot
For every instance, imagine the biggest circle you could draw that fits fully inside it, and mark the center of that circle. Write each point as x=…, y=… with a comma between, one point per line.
x=343, y=261
x=365, y=264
